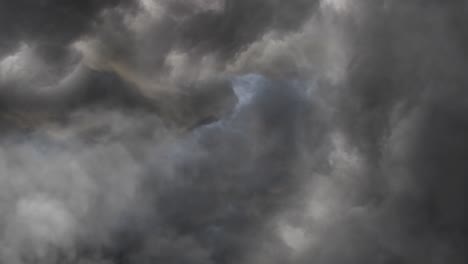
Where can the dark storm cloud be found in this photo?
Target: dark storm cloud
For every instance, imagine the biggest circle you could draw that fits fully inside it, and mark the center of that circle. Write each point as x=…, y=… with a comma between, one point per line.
x=402, y=106
x=242, y=22
x=39, y=69
x=196, y=30
x=153, y=47
x=217, y=205
x=131, y=132
x=50, y=22
x=100, y=172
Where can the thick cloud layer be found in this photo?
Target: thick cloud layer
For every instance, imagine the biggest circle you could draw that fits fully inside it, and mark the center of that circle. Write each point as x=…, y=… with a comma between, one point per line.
x=219, y=131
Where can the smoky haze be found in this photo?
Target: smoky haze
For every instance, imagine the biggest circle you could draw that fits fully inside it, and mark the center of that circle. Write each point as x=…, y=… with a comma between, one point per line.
x=233, y=131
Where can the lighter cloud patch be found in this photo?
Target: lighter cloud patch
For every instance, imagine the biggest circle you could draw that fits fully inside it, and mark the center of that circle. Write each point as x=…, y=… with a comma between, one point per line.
x=214, y=5
x=246, y=87
x=337, y=5
x=318, y=49
x=196, y=6
x=295, y=237
x=344, y=158
x=89, y=49
x=152, y=7
x=18, y=66
x=45, y=219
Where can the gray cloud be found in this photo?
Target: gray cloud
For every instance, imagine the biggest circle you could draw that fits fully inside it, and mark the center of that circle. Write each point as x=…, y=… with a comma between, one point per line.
x=211, y=131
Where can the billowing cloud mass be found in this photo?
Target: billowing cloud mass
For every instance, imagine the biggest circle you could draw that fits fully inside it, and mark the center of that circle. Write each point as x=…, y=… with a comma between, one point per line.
x=233, y=131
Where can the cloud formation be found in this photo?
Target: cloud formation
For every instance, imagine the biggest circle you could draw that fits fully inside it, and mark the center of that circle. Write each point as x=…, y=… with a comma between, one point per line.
x=232, y=131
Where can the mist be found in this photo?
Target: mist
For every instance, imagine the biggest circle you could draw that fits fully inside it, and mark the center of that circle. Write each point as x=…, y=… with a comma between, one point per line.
x=233, y=131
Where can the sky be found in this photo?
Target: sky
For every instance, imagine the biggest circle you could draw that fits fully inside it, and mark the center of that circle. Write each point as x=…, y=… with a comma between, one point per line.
x=233, y=131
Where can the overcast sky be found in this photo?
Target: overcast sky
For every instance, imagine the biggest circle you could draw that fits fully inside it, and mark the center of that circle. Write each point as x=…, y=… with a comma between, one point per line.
x=233, y=131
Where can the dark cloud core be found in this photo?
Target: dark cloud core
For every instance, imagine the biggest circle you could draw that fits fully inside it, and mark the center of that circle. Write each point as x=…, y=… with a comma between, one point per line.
x=233, y=131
